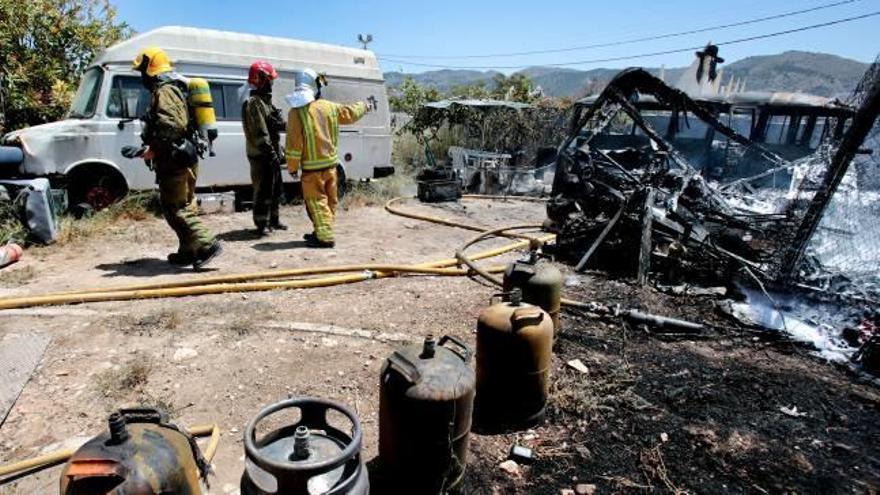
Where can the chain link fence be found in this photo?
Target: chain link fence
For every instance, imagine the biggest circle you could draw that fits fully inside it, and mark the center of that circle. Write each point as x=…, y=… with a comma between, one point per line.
x=842, y=254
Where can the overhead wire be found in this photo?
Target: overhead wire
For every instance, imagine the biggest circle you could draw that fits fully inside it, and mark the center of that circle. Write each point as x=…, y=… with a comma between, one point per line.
x=648, y=54
x=634, y=40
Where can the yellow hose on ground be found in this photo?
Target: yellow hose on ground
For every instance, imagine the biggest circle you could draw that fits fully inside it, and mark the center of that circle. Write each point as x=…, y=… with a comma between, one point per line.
x=298, y=272
x=391, y=207
x=246, y=282
x=460, y=256
x=63, y=455
x=201, y=290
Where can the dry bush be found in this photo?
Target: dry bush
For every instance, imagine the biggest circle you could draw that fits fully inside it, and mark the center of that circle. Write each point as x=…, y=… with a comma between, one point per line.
x=118, y=383
x=377, y=192
x=135, y=207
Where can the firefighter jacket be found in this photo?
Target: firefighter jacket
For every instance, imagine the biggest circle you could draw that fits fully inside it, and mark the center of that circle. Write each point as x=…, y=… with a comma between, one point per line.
x=263, y=125
x=167, y=120
x=313, y=133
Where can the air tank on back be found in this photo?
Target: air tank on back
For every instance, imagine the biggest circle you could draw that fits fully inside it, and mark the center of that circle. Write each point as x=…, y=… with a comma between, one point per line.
x=540, y=283
x=514, y=348
x=203, y=106
x=426, y=400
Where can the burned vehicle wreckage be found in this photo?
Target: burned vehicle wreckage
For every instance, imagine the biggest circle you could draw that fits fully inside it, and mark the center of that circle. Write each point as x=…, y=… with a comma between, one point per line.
x=619, y=179
x=631, y=200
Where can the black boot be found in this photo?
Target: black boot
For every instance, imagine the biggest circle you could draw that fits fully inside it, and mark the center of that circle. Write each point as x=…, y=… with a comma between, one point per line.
x=180, y=259
x=314, y=242
x=263, y=231
x=277, y=225
x=310, y=237
x=204, y=256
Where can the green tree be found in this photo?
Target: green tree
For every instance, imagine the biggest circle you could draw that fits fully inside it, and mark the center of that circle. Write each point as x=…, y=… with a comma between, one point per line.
x=411, y=96
x=475, y=91
x=516, y=87
x=44, y=47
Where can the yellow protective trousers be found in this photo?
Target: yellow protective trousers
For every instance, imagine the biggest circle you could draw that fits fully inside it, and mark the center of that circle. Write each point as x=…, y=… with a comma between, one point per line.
x=320, y=196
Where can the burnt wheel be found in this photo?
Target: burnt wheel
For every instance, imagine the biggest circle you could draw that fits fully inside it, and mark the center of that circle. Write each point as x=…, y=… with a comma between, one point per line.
x=97, y=186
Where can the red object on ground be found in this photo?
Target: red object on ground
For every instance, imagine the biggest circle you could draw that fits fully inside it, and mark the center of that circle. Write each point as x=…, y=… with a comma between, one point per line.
x=9, y=254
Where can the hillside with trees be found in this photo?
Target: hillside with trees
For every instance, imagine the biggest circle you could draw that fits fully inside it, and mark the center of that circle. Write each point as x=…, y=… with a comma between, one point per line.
x=816, y=73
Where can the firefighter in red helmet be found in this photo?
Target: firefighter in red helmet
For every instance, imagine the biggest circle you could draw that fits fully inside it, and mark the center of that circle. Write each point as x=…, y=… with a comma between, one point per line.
x=263, y=124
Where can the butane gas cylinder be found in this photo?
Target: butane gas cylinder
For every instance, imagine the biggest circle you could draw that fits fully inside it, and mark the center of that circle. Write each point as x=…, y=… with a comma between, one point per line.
x=514, y=346
x=309, y=457
x=141, y=454
x=425, y=404
x=540, y=283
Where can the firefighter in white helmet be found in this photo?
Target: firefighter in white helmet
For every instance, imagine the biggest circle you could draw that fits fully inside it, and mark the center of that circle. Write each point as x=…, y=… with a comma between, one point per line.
x=312, y=139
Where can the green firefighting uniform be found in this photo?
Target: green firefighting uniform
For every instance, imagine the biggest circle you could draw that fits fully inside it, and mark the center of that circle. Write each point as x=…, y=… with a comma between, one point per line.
x=166, y=129
x=262, y=123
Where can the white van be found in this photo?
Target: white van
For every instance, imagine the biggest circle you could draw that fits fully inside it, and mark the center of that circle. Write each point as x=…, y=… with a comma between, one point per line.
x=83, y=151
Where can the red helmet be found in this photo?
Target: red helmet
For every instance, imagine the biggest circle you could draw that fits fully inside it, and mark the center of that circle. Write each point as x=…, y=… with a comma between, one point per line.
x=261, y=67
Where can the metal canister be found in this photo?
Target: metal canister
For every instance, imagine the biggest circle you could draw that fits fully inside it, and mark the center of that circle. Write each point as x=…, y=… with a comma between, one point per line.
x=540, y=283
x=514, y=349
x=9, y=254
x=426, y=399
x=140, y=454
x=309, y=457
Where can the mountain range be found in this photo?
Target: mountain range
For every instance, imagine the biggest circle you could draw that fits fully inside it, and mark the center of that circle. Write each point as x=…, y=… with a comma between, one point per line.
x=815, y=73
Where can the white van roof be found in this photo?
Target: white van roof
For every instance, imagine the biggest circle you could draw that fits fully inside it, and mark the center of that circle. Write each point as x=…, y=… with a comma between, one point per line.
x=224, y=48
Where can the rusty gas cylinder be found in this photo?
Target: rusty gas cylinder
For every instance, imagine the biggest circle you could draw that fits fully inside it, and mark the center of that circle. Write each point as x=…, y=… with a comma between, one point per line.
x=140, y=454
x=540, y=283
x=309, y=457
x=514, y=346
x=425, y=404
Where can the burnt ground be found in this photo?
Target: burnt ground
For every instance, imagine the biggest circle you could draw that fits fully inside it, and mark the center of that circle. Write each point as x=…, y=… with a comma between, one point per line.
x=698, y=414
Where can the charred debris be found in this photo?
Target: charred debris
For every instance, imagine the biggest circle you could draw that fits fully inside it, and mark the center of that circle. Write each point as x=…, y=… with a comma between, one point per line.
x=655, y=185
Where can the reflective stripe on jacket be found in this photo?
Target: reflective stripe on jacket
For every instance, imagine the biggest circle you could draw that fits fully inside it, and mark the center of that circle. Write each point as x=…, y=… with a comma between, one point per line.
x=313, y=133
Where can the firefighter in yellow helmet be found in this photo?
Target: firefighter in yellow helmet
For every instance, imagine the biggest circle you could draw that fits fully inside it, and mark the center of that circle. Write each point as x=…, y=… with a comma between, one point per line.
x=312, y=138
x=171, y=151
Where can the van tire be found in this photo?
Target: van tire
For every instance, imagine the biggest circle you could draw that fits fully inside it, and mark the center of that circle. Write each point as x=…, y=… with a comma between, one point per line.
x=97, y=185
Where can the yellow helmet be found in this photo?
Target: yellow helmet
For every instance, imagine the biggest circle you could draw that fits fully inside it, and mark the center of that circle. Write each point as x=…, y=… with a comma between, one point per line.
x=152, y=60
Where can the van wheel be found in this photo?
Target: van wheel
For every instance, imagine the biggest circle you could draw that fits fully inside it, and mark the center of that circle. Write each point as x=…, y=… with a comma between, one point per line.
x=96, y=187
x=342, y=185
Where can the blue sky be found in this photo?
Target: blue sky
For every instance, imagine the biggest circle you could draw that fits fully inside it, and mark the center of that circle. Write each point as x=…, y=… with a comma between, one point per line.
x=456, y=27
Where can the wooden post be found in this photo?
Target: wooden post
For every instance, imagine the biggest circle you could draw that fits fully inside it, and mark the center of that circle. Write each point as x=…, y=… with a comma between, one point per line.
x=646, y=246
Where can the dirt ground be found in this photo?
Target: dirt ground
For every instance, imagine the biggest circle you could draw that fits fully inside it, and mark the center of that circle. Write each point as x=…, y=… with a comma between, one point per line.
x=651, y=414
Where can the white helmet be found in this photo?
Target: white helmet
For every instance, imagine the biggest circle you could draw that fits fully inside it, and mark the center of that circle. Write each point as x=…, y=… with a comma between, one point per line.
x=305, y=87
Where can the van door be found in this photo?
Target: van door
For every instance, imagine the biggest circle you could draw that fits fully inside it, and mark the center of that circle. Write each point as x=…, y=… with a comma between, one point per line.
x=127, y=102
x=229, y=165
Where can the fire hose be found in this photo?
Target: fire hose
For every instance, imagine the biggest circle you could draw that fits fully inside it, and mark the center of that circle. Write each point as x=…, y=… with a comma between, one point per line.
x=632, y=315
x=59, y=456
x=272, y=280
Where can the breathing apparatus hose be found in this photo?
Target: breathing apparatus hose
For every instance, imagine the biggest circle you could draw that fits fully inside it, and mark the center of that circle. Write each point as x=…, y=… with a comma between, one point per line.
x=59, y=456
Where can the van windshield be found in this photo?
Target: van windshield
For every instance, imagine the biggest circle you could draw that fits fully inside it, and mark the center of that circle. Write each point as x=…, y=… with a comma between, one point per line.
x=86, y=100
